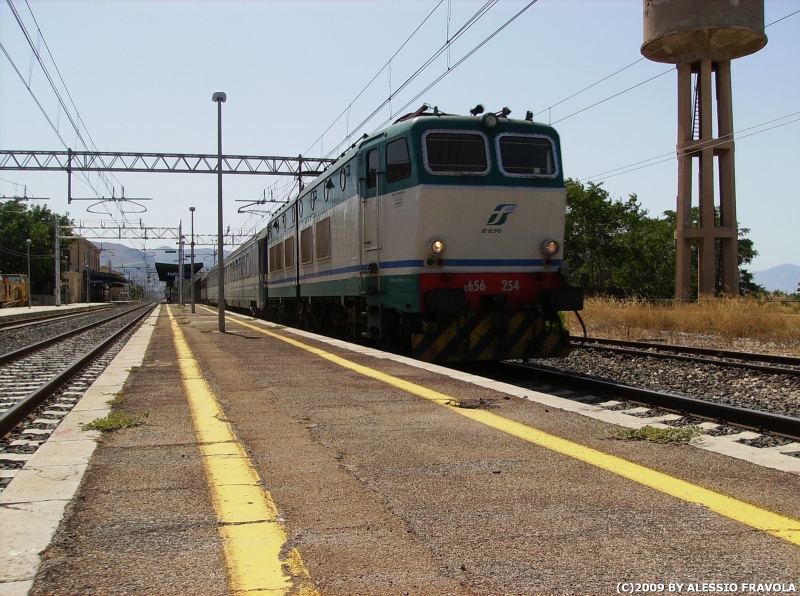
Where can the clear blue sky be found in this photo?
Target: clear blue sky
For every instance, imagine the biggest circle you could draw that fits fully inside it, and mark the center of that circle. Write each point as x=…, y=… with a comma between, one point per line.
x=142, y=74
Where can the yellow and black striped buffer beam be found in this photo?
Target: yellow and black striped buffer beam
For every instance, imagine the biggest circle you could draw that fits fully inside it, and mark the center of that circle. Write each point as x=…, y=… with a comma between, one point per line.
x=491, y=335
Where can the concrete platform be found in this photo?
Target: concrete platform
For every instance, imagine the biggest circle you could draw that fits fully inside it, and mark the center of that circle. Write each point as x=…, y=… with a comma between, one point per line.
x=389, y=477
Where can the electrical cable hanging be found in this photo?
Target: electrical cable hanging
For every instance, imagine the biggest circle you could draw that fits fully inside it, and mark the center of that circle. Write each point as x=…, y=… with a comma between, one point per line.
x=461, y=61
x=635, y=62
x=61, y=102
x=720, y=141
x=661, y=74
x=482, y=11
x=360, y=93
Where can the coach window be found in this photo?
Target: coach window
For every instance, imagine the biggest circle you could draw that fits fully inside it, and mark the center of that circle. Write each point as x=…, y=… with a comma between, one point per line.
x=323, y=234
x=372, y=169
x=526, y=156
x=274, y=258
x=307, y=245
x=455, y=152
x=398, y=164
x=288, y=252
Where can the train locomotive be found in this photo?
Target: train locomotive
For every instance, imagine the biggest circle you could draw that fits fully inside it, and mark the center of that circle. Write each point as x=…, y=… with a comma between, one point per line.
x=440, y=236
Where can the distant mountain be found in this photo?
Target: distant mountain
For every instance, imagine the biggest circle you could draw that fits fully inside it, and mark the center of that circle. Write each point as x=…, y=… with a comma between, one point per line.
x=784, y=278
x=125, y=257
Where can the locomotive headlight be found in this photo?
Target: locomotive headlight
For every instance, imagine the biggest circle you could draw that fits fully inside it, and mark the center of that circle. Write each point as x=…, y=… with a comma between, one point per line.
x=489, y=120
x=437, y=246
x=549, y=247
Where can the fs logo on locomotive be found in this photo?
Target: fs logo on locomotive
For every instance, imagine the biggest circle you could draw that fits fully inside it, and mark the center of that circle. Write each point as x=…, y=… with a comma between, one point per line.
x=499, y=217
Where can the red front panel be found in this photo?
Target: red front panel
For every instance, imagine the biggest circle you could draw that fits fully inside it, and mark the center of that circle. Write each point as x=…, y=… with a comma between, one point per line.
x=520, y=289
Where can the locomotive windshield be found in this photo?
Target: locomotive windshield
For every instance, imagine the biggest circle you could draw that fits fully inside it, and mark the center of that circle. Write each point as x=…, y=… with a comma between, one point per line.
x=526, y=155
x=455, y=152
x=398, y=163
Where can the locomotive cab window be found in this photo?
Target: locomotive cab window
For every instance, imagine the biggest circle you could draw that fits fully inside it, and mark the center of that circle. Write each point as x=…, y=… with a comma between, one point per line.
x=455, y=152
x=398, y=163
x=372, y=168
x=307, y=245
x=526, y=156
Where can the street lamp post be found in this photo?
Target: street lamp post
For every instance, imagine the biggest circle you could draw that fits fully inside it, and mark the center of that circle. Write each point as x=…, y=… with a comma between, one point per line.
x=28, y=242
x=180, y=264
x=58, y=263
x=191, y=276
x=219, y=97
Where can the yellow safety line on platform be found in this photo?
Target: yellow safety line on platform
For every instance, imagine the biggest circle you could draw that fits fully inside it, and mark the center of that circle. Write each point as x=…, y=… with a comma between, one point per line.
x=252, y=536
x=778, y=525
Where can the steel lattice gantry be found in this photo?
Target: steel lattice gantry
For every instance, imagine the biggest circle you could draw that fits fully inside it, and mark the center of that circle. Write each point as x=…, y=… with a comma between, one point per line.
x=233, y=237
x=191, y=163
x=182, y=163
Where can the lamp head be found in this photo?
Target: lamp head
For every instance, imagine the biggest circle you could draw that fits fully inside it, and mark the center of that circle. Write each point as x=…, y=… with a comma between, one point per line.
x=219, y=96
x=191, y=209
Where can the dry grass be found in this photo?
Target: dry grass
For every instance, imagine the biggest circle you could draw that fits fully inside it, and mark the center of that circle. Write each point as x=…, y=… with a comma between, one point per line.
x=728, y=318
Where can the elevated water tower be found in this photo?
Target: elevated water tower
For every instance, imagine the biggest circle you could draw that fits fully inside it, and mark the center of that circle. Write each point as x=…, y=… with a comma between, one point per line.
x=701, y=37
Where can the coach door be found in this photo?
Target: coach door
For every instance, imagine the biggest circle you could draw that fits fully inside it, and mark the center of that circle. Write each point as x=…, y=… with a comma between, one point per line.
x=370, y=212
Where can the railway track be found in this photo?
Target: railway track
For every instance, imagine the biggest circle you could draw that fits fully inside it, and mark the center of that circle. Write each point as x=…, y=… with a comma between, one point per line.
x=40, y=384
x=767, y=363
x=22, y=335
x=686, y=407
x=30, y=321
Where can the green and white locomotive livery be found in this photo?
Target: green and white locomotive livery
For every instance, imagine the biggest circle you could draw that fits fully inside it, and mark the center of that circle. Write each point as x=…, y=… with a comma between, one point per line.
x=441, y=235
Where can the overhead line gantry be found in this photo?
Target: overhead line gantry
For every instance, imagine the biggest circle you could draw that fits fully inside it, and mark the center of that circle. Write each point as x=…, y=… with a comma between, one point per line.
x=182, y=163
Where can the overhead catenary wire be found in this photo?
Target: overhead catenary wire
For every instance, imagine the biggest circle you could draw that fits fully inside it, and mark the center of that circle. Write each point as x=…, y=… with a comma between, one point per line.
x=76, y=122
x=635, y=62
x=62, y=104
x=42, y=110
x=377, y=74
x=602, y=101
x=461, y=31
x=711, y=145
x=698, y=147
x=461, y=61
x=25, y=254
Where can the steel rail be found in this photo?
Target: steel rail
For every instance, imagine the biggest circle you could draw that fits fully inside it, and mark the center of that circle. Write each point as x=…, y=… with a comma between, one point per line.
x=748, y=356
x=778, y=424
x=775, y=370
x=19, y=411
x=16, y=354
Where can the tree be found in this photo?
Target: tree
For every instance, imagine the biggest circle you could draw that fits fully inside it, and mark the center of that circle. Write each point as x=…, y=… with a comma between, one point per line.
x=615, y=247
x=593, y=223
x=18, y=223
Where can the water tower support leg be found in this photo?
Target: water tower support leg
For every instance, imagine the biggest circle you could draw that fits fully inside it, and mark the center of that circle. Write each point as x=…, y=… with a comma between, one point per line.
x=707, y=257
x=683, y=265
x=727, y=180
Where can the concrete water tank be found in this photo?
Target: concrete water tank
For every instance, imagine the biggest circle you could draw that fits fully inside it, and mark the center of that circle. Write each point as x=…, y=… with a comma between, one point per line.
x=678, y=31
